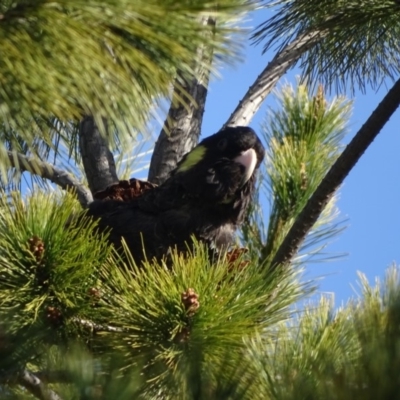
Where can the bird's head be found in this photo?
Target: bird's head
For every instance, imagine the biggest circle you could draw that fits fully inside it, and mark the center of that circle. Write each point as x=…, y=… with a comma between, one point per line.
x=222, y=167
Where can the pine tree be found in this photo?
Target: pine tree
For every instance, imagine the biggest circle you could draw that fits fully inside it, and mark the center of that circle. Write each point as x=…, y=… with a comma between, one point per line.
x=80, y=81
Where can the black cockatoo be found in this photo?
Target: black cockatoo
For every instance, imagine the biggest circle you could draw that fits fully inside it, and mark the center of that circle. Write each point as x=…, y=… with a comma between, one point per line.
x=205, y=196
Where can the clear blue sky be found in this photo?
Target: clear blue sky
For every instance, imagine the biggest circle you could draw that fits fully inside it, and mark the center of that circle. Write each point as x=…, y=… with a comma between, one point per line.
x=369, y=198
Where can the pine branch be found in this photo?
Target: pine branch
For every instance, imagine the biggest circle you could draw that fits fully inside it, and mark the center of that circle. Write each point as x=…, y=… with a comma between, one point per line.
x=181, y=129
x=265, y=82
x=97, y=327
x=52, y=173
x=35, y=386
x=97, y=158
x=359, y=48
x=124, y=56
x=336, y=175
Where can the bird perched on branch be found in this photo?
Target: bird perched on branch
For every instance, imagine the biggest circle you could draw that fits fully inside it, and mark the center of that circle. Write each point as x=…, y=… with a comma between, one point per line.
x=206, y=197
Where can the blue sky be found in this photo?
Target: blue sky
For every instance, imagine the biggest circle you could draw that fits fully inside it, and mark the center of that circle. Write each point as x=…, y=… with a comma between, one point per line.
x=369, y=196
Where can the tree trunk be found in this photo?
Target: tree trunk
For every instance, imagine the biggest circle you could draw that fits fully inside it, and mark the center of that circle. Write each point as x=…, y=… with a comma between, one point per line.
x=97, y=158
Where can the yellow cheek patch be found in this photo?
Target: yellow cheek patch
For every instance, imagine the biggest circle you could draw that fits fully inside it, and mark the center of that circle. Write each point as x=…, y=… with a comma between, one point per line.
x=192, y=158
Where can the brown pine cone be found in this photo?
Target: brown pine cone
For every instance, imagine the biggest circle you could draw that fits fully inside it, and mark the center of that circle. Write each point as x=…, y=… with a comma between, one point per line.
x=190, y=300
x=125, y=190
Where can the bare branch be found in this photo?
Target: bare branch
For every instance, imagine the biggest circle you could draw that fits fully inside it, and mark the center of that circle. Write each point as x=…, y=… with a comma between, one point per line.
x=181, y=129
x=266, y=81
x=35, y=386
x=48, y=171
x=97, y=158
x=15, y=376
x=97, y=327
x=336, y=175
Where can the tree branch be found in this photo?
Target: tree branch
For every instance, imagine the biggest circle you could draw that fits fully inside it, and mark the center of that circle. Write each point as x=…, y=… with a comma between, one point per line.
x=336, y=175
x=265, y=82
x=181, y=129
x=35, y=386
x=48, y=171
x=97, y=158
x=97, y=327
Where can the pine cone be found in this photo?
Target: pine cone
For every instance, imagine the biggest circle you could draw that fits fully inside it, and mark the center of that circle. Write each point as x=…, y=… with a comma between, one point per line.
x=233, y=255
x=94, y=296
x=182, y=336
x=190, y=300
x=125, y=190
x=36, y=247
x=94, y=292
x=54, y=315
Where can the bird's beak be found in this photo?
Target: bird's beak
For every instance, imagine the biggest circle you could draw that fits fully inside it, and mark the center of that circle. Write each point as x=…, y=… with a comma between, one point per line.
x=248, y=159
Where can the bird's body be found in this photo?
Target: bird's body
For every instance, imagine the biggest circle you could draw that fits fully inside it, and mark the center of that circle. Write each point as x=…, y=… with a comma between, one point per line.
x=205, y=197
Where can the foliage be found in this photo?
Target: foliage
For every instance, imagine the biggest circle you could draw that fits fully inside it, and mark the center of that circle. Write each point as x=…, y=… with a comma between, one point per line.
x=178, y=333
x=360, y=47
x=351, y=353
x=48, y=264
x=88, y=322
x=303, y=134
x=65, y=59
x=205, y=329
x=177, y=325
x=182, y=344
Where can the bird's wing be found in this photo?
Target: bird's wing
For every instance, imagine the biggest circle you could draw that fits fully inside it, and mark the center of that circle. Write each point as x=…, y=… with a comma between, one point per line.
x=143, y=227
x=213, y=183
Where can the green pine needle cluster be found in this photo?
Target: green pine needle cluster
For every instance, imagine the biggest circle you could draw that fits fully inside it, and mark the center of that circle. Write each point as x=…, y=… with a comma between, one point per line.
x=49, y=264
x=303, y=135
x=351, y=353
x=107, y=58
x=165, y=333
x=360, y=47
x=174, y=329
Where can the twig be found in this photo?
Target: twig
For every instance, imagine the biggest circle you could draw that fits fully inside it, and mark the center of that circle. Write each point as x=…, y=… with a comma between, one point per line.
x=97, y=327
x=336, y=175
x=48, y=171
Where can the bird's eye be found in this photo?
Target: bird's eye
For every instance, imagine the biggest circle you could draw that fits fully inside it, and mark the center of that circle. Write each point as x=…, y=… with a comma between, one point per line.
x=222, y=144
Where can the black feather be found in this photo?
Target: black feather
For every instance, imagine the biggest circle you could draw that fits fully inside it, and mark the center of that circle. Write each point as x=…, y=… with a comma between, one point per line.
x=205, y=196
